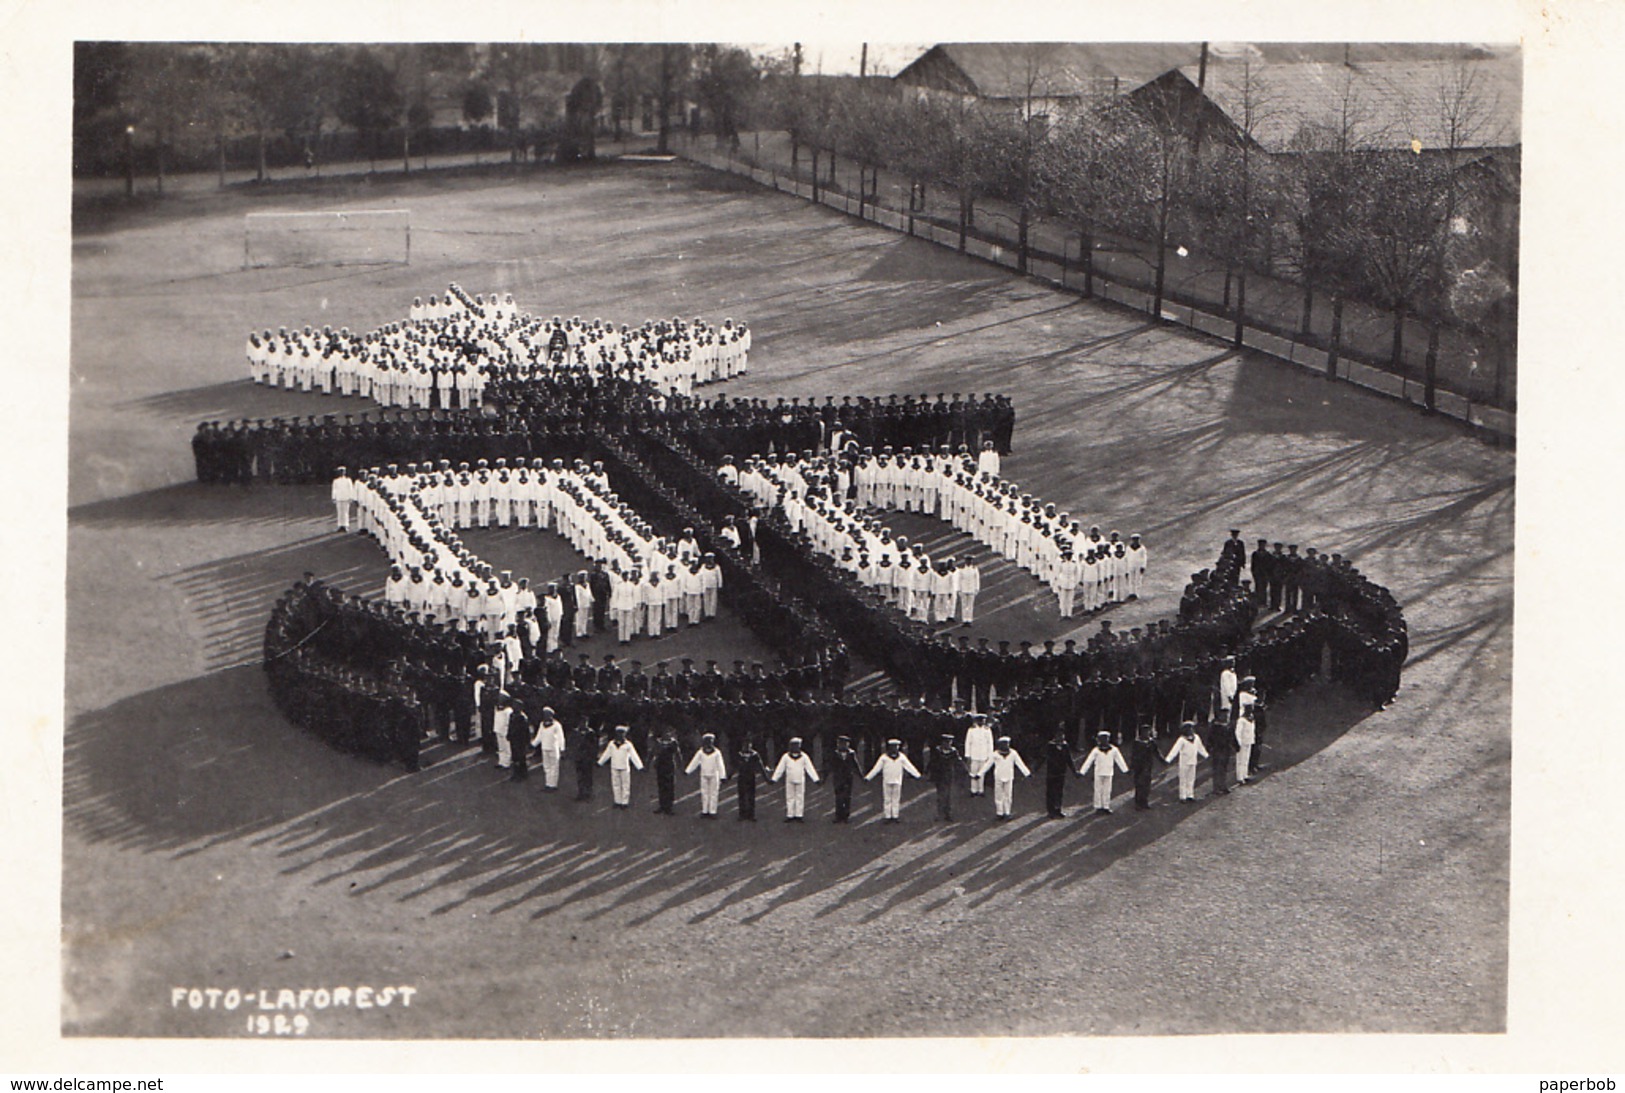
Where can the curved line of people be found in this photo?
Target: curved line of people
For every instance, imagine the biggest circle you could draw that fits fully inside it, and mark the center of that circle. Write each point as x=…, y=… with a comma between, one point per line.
x=1233, y=736
x=384, y=718
x=827, y=499
x=1356, y=618
x=1201, y=597
x=448, y=351
x=654, y=583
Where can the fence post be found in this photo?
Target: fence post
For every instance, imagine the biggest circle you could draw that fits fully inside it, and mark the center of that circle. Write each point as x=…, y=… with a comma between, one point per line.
x=1337, y=338
x=1430, y=369
x=1241, y=304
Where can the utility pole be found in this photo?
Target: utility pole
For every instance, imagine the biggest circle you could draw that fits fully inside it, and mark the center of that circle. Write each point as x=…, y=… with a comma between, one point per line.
x=795, y=60
x=1201, y=103
x=863, y=61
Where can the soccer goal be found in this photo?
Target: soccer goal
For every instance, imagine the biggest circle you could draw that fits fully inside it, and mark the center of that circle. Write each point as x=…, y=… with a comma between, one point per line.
x=341, y=237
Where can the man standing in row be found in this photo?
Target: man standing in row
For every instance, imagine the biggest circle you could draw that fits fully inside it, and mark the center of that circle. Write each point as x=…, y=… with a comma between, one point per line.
x=1057, y=765
x=1264, y=575
x=1104, y=760
x=621, y=756
x=343, y=494
x=502, y=713
x=1004, y=762
x=751, y=768
x=586, y=751
x=665, y=759
x=795, y=768
x=1222, y=752
x=1228, y=684
x=892, y=766
x=712, y=770
x=978, y=750
x=843, y=768
x=549, y=740
x=518, y=740
x=1143, y=756
x=1246, y=736
x=1187, y=749
x=944, y=764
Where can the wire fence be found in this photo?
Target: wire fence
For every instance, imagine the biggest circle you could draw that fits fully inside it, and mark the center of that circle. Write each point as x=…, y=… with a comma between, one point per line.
x=1475, y=378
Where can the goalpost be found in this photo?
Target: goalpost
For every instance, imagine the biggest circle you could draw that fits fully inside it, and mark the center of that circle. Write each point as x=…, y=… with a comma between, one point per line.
x=337, y=237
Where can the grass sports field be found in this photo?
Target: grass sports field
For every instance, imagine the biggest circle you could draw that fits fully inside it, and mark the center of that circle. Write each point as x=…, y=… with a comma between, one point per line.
x=1361, y=885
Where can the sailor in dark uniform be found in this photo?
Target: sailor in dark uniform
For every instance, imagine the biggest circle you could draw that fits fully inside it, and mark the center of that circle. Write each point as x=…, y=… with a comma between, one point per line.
x=1143, y=762
x=748, y=769
x=842, y=767
x=944, y=765
x=1057, y=767
x=665, y=761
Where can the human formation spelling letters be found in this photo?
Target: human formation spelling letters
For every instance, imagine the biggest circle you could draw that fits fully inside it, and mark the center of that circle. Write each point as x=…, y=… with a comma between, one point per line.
x=594, y=432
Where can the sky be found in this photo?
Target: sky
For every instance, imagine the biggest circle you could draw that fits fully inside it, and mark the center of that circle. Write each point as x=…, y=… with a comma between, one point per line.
x=842, y=58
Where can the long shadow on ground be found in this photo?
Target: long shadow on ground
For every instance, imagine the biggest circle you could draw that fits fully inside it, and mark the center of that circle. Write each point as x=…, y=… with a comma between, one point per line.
x=210, y=761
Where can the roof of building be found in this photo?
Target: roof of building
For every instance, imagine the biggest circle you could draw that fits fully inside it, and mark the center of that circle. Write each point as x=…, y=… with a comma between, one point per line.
x=1059, y=69
x=1394, y=104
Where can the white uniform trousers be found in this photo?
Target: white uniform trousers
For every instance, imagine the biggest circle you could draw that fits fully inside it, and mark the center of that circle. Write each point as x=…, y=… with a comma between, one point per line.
x=1065, y=595
x=550, y=768
x=709, y=597
x=620, y=781
x=891, y=800
x=710, y=787
x=504, y=750
x=1003, y=793
x=341, y=509
x=624, y=626
x=795, y=798
x=1103, y=791
x=976, y=785
x=1187, y=781
x=967, y=607
x=1244, y=756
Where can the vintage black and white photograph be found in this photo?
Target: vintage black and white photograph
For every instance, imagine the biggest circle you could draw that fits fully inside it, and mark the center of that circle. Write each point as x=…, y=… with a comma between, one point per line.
x=716, y=539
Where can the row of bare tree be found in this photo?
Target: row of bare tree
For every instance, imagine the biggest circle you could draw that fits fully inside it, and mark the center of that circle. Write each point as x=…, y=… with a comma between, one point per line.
x=1342, y=210
x=169, y=96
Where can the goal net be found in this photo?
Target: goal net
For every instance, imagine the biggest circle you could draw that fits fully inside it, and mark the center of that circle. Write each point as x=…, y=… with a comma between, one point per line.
x=340, y=237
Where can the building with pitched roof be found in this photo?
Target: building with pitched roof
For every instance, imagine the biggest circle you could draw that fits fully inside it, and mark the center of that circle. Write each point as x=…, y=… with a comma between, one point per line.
x=1053, y=79
x=1465, y=104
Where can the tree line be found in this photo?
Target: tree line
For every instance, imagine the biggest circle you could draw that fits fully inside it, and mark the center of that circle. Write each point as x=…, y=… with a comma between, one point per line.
x=159, y=103
x=1341, y=210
